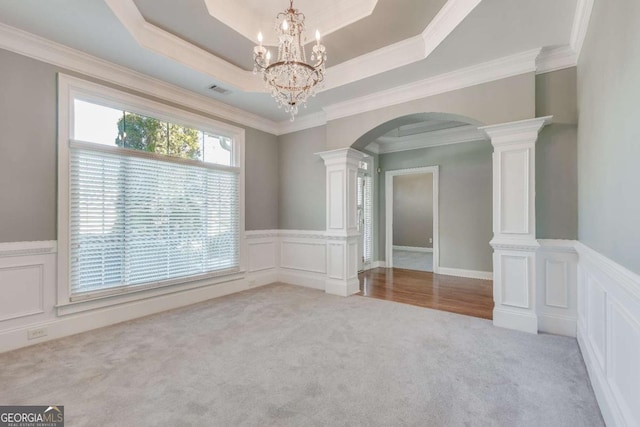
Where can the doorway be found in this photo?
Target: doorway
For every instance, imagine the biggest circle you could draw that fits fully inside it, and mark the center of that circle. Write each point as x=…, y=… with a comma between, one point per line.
x=411, y=206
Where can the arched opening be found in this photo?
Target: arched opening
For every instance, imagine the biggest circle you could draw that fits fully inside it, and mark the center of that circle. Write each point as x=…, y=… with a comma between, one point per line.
x=431, y=219
x=413, y=120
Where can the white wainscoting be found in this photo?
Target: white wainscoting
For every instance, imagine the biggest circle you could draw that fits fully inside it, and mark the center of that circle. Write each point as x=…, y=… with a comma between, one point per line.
x=303, y=258
x=28, y=285
x=609, y=334
x=556, y=287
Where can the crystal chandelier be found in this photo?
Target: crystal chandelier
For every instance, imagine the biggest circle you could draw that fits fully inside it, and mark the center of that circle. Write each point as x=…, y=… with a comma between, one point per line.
x=290, y=79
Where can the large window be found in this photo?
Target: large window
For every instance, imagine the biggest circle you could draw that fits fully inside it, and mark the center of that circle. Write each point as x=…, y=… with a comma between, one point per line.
x=153, y=196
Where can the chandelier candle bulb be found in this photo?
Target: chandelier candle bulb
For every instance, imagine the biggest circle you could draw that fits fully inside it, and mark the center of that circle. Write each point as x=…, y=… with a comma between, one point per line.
x=290, y=79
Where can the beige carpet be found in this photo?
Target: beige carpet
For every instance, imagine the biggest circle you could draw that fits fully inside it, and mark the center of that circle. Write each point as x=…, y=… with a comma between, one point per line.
x=288, y=356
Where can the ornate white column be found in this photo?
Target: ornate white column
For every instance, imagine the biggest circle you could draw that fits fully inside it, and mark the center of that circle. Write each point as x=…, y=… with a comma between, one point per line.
x=514, y=223
x=342, y=221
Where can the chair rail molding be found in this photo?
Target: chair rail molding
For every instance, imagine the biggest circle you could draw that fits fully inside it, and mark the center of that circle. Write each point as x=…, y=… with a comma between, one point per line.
x=514, y=227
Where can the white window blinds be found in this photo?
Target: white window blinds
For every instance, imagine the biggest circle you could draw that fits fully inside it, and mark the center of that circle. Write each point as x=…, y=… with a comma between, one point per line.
x=138, y=218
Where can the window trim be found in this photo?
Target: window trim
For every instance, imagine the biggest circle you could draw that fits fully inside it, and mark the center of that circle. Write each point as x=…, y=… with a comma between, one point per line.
x=71, y=88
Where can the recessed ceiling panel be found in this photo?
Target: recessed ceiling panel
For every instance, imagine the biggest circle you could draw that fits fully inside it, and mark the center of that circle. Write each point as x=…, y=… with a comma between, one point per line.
x=189, y=20
x=346, y=37
x=248, y=17
x=392, y=21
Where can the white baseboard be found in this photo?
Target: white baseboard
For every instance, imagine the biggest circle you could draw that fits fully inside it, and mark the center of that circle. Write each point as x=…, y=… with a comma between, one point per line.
x=558, y=325
x=375, y=264
x=520, y=321
x=412, y=249
x=86, y=321
x=304, y=279
x=471, y=274
x=338, y=287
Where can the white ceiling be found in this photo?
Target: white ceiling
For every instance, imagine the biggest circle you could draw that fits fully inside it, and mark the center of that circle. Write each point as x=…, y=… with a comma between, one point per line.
x=182, y=44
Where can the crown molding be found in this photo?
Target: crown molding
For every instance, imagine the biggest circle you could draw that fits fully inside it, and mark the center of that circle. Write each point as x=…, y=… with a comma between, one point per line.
x=556, y=58
x=302, y=123
x=44, y=50
x=168, y=45
x=437, y=138
x=482, y=73
x=448, y=18
x=390, y=57
x=580, y=25
x=379, y=61
x=561, y=57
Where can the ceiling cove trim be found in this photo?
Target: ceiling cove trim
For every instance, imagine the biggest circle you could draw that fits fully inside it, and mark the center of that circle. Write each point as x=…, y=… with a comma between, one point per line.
x=580, y=25
x=44, y=50
x=379, y=61
x=390, y=57
x=170, y=46
x=482, y=73
x=560, y=57
x=448, y=18
x=302, y=122
x=404, y=52
x=556, y=58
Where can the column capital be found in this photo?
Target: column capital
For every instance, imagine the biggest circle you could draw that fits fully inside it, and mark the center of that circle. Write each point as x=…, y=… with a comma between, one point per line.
x=523, y=131
x=341, y=156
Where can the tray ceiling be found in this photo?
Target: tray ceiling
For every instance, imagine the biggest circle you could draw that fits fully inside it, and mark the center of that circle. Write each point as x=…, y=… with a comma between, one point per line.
x=182, y=44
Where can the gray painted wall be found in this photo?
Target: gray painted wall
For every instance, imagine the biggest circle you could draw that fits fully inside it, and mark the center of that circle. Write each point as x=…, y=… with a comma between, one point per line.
x=557, y=156
x=27, y=149
x=495, y=102
x=465, y=199
x=302, y=180
x=28, y=164
x=413, y=210
x=608, y=133
x=261, y=174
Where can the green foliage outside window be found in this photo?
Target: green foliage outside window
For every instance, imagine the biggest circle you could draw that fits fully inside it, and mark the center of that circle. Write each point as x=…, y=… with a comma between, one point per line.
x=148, y=134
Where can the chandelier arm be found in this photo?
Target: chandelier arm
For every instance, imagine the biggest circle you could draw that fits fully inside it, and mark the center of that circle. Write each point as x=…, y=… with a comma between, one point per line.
x=290, y=79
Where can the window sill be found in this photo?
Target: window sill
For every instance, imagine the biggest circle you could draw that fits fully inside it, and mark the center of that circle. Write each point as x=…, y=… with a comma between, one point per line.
x=133, y=295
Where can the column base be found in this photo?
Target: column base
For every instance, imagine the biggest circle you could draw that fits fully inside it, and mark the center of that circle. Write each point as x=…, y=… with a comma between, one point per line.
x=515, y=319
x=343, y=288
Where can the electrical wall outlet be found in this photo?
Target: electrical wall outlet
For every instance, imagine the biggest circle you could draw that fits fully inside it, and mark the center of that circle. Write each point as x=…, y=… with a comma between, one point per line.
x=430, y=239
x=33, y=334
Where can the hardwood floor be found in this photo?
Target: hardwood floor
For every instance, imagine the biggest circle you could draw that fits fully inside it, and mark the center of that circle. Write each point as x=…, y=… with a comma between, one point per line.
x=460, y=295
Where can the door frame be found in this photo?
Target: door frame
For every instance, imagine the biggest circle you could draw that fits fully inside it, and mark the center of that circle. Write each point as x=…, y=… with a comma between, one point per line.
x=435, y=170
